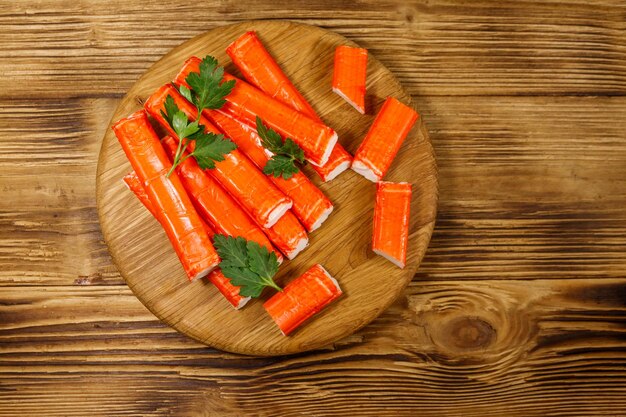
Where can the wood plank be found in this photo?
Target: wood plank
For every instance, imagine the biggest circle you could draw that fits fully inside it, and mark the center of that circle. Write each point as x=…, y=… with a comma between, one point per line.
x=435, y=48
x=457, y=348
x=545, y=199
x=49, y=231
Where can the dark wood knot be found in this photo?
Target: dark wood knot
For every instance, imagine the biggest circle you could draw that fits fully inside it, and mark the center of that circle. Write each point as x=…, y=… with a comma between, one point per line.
x=470, y=333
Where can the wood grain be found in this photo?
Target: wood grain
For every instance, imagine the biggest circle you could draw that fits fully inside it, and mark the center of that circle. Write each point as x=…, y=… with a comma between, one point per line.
x=524, y=104
x=479, y=47
x=370, y=283
x=455, y=348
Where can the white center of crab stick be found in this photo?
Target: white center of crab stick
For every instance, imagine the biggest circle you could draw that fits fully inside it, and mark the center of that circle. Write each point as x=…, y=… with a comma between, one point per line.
x=278, y=212
x=389, y=258
x=346, y=98
x=337, y=170
x=322, y=218
x=302, y=244
x=367, y=172
x=329, y=149
x=202, y=273
x=331, y=278
x=243, y=302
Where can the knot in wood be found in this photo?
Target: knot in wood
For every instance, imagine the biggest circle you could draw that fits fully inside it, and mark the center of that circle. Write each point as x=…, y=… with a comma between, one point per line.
x=469, y=333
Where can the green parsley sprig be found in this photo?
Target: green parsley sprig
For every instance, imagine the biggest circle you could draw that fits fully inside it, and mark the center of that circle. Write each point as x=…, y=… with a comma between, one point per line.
x=207, y=92
x=209, y=147
x=207, y=89
x=286, y=153
x=249, y=265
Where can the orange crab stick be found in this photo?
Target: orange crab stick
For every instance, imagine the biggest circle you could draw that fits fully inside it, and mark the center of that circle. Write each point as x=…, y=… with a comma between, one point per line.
x=133, y=183
x=246, y=103
x=213, y=202
x=288, y=235
x=338, y=162
x=259, y=68
x=236, y=173
x=391, y=221
x=171, y=203
x=382, y=142
x=349, y=75
x=228, y=290
x=262, y=71
x=302, y=298
x=310, y=205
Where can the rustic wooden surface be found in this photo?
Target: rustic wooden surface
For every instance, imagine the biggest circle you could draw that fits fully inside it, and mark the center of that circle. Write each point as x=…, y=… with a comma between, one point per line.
x=518, y=308
x=144, y=256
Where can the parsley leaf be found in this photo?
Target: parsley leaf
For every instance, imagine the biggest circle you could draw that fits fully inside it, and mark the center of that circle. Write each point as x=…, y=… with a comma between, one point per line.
x=261, y=261
x=270, y=139
x=285, y=153
x=185, y=92
x=170, y=109
x=249, y=265
x=291, y=148
x=233, y=251
x=182, y=126
x=247, y=281
x=207, y=89
x=211, y=148
x=280, y=165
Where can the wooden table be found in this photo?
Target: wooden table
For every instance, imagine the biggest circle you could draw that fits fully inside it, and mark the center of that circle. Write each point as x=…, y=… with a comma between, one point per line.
x=519, y=307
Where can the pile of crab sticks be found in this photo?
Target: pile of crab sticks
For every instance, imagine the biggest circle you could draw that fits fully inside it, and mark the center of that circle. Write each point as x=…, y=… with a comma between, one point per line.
x=225, y=184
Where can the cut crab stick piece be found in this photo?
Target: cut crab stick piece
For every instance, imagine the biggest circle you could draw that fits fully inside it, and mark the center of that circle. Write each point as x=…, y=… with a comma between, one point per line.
x=339, y=161
x=172, y=205
x=302, y=298
x=223, y=284
x=288, y=235
x=391, y=221
x=213, y=203
x=349, y=75
x=382, y=142
x=310, y=205
x=261, y=70
x=246, y=102
x=236, y=173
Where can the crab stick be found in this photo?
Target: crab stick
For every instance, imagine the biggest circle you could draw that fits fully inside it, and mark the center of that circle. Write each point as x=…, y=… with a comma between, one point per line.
x=133, y=183
x=288, y=235
x=172, y=205
x=391, y=221
x=349, y=73
x=302, y=298
x=261, y=70
x=382, y=142
x=310, y=205
x=213, y=203
x=228, y=290
x=236, y=173
x=246, y=103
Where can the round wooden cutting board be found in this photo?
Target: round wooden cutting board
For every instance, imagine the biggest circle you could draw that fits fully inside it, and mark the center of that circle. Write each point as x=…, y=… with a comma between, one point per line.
x=145, y=258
